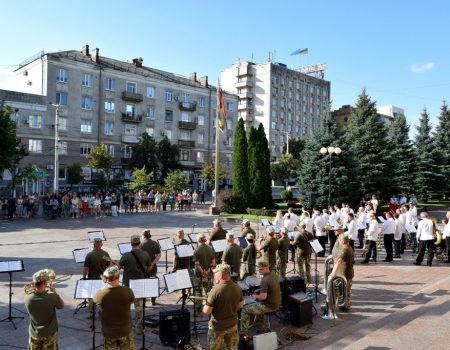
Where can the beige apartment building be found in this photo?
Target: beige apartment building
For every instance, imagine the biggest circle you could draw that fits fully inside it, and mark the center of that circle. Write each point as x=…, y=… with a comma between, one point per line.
x=289, y=104
x=104, y=100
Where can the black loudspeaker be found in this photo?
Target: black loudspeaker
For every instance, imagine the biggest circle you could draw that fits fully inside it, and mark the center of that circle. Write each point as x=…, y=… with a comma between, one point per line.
x=300, y=307
x=288, y=286
x=312, y=199
x=174, y=326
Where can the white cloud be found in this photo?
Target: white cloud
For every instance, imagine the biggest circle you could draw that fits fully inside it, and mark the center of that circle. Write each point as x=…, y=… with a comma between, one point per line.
x=422, y=67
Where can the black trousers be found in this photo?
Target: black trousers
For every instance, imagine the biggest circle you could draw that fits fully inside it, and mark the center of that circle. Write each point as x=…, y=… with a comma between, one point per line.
x=323, y=242
x=371, y=250
x=331, y=239
x=429, y=246
x=397, y=247
x=361, y=237
x=388, y=239
x=447, y=248
x=351, y=242
x=403, y=244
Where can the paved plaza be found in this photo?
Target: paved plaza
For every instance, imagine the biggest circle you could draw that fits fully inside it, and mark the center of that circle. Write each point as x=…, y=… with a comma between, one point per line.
x=394, y=306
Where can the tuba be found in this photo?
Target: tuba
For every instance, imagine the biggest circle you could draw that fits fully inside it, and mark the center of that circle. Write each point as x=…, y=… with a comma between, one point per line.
x=437, y=234
x=30, y=287
x=329, y=262
x=336, y=297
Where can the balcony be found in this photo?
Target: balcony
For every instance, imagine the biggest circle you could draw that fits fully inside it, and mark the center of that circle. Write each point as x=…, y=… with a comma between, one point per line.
x=188, y=106
x=131, y=118
x=244, y=105
x=244, y=83
x=132, y=96
x=187, y=125
x=186, y=143
x=187, y=162
x=130, y=139
x=245, y=94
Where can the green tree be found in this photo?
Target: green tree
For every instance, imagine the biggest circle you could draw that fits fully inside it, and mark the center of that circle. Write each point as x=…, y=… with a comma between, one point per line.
x=74, y=174
x=143, y=180
x=167, y=157
x=241, y=183
x=266, y=179
x=296, y=148
x=429, y=179
x=402, y=152
x=208, y=173
x=287, y=166
x=255, y=168
x=100, y=159
x=175, y=180
x=443, y=144
x=366, y=136
x=145, y=154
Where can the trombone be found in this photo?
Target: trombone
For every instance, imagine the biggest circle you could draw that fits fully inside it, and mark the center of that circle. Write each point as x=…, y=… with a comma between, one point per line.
x=51, y=277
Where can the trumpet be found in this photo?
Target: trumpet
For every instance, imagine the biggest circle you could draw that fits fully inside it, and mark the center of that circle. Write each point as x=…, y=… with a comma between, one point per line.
x=51, y=277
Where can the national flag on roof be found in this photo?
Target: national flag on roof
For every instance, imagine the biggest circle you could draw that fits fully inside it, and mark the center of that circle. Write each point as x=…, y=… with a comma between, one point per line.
x=300, y=52
x=221, y=111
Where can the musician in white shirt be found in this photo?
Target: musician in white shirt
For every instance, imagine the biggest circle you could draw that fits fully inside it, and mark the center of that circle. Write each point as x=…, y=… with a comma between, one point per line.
x=446, y=236
x=372, y=236
x=361, y=223
x=425, y=236
x=402, y=223
x=333, y=221
x=374, y=202
x=307, y=221
x=413, y=214
x=398, y=234
x=388, y=230
x=351, y=230
x=320, y=232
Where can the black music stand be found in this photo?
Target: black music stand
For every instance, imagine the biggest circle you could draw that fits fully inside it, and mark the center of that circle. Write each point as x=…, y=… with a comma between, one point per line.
x=124, y=248
x=291, y=236
x=10, y=267
x=317, y=248
x=92, y=235
x=165, y=245
x=85, y=289
x=145, y=288
x=79, y=255
x=185, y=251
x=179, y=280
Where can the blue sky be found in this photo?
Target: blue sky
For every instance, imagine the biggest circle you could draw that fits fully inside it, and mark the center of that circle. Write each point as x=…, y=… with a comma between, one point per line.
x=398, y=50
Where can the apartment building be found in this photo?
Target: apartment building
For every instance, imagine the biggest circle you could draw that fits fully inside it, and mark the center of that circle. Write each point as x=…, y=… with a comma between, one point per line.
x=104, y=100
x=289, y=104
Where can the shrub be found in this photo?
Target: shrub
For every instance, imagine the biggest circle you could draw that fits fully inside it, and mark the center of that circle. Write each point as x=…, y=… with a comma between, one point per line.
x=227, y=202
x=286, y=195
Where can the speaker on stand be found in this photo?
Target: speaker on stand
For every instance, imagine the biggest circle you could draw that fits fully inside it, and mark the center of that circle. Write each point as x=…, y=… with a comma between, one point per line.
x=174, y=326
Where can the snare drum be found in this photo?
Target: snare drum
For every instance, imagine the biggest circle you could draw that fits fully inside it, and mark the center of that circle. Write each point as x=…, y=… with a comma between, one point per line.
x=252, y=281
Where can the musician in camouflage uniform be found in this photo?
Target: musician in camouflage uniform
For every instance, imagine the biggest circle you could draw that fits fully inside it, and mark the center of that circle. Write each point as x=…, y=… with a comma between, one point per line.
x=204, y=261
x=154, y=251
x=41, y=306
x=224, y=301
x=270, y=247
x=217, y=233
x=282, y=253
x=303, y=252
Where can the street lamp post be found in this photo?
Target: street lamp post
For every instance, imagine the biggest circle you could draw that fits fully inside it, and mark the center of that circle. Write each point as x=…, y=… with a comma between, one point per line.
x=330, y=150
x=56, y=165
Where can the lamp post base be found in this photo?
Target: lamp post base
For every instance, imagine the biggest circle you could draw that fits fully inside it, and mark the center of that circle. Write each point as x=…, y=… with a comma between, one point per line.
x=214, y=210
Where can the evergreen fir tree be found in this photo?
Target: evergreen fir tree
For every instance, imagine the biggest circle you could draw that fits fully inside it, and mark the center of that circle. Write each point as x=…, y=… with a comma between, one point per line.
x=443, y=144
x=367, y=138
x=266, y=179
x=403, y=155
x=241, y=185
x=429, y=179
x=254, y=170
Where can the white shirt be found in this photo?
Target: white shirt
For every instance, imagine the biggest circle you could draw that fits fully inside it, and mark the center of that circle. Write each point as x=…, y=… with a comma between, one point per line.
x=398, y=230
x=425, y=230
x=294, y=217
x=309, y=224
x=352, y=231
x=414, y=218
x=319, y=223
x=402, y=222
x=372, y=232
x=362, y=220
x=278, y=222
x=388, y=227
x=374, y=204
x=290, y=224
x=333, y=216
x=446, y=232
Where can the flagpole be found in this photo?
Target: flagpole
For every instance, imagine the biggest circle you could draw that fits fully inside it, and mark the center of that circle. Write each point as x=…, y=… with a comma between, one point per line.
x=216, y=165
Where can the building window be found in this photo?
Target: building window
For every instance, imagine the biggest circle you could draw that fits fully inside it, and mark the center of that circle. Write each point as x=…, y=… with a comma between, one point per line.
x=128, y=152
x=35, y=121
x=273, y=113
x=61, y=98
x=150, y=113
x=228, y=158
x=184, y=155
x=169, y=115
x=274, y=91
x=169, y=96
x=168, y=134
x=130, y=130
x=62, y=148
x=229, y=124
x=230, y=106
x=274, y=125
x=86, y=102
x=201, y=120
x=200, y=138
x=185, y=97
x=130, y=110
x=150, y=92
x=110, y=107
x=61, y=75
x=109, y=128
x=62, y=124
x=111, y=150
x=184, y=116
x=201, y=157
x=229, y=141
x=85, y=149
x=110, y=84
x=202, y=101
x=184, y=135
x=35, y=146
x=131, y=87
x=86, y=125
x=86, y=80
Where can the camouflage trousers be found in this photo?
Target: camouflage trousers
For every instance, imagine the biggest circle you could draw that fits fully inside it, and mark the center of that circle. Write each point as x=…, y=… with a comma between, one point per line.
x=138, y=315
x=122, y=343
x=281, y=267
x=202, y=288
x=216, y=338
x=306, y=262
x=44, y=343
x=253, y=314
x=348, y=304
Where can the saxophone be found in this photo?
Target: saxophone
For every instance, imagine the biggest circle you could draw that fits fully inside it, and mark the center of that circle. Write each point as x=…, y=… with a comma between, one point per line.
x=329, y=262
x=336, y=297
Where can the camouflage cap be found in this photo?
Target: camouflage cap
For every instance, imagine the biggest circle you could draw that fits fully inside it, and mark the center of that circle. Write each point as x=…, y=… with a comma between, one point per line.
x=249, y=236
x=229, y=235
x=201, y=237
x=270, y=230
x=245, y=221
x=40, y=276
x=263, y=264
x=111, y=273
x=223, y=268
x=135, y=239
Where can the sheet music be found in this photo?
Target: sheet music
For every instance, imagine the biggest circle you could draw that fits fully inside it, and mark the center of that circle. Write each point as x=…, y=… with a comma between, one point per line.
x=145, y=288
x=177, y=280
x=11, y=266
x=265, y=222
x=165, y=244
x=80, y=254
x=85, y=289
x=96, y=234
x=242, y=242
x=381, y=219
x=124, y=248
x=333, y=223
x=316, y=246
x=193, y=237
x=410, y=228
x=184, y=250
x=219, y=246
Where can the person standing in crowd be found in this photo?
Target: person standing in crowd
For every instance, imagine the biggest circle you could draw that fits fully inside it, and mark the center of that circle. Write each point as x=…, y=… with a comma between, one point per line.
x=136, y=264
x=270, y=246
x=399, y=227
x=290, y=225
x=223, y=303
x=114, y=204
x=352, y=230
x=309, y=223
x=446, y=236
x=114, y=302
x=11, y=207
x=154, y=251
x=278, y=222
x=388, y=230
x=304, y=252
x=95, y=264
x=372, y=236
x=249, y=258
x=321, y=234
x=361, y=224
x=282, y=253
x=204, y=261
x=246, y=229
x=41, y=306
x=267, y=299
x=217, y=234
x=374, y=202
x=425, y=237
x=232, y=256
x=414, y=220
x=180, y=263
x=332, y=220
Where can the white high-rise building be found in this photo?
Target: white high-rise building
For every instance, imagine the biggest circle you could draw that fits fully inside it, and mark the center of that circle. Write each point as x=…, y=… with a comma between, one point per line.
x=288, y=103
